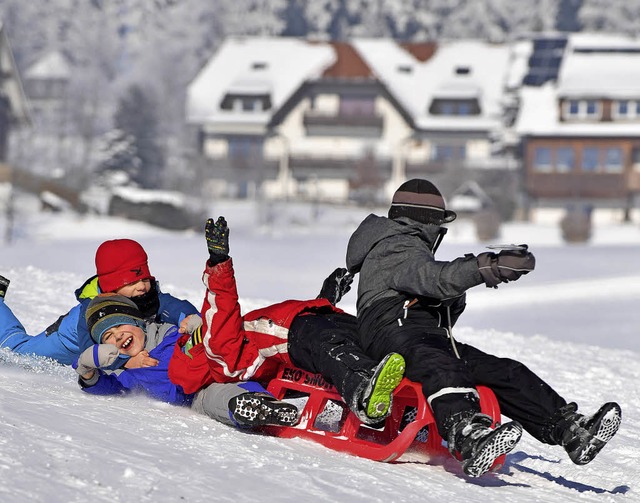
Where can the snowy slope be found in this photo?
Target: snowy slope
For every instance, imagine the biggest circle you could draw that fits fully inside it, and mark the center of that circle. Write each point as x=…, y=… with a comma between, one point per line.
x=59, y=445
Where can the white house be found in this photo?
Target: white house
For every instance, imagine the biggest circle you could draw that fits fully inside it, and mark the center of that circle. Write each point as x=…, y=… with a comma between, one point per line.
x=338, y=120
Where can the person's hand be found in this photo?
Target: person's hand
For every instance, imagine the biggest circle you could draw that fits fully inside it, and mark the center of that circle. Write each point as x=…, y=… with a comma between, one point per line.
x=190, y=324
x=337, y=284
x=508, y=265
x=142, y=359
x=217, y=236
x=94, y=357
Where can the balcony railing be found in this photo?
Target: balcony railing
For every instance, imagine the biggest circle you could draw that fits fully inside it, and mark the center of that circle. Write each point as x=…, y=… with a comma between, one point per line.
x=601, y=185
x=315, y=120
x=433, y=166
x=339, y=167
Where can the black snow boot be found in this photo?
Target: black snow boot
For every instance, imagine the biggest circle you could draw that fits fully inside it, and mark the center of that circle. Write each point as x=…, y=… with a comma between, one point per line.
x=478, y=445
x=4, y=284
x=262, y=409
x=584, y=437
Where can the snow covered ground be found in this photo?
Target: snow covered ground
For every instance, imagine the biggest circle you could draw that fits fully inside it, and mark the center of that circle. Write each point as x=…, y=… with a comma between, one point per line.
x=574, y=321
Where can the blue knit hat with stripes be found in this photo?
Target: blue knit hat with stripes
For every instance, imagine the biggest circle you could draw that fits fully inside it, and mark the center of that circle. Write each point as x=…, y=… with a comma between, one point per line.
x=108, y=310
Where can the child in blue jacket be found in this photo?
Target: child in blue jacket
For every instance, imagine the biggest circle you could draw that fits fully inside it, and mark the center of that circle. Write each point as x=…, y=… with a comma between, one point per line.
x=121, y=267
x=117, y=326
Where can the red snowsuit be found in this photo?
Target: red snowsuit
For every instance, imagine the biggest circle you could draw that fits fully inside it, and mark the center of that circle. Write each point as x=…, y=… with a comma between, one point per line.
x=235, y=347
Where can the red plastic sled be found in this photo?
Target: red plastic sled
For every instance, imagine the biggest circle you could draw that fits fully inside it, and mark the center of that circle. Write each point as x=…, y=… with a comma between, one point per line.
x=326, y=419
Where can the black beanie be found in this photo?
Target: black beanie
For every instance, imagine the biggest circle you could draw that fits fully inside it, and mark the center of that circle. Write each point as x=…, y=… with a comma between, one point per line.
x=420, y=200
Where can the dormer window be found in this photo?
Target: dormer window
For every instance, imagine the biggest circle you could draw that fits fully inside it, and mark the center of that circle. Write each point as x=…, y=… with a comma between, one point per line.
x=246, y=102
x=456, y=107
x=626, y=109
x=582, y=109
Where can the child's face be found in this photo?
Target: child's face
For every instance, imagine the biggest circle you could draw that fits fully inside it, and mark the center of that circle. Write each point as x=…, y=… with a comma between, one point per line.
x=135, y=289
x=129, y=339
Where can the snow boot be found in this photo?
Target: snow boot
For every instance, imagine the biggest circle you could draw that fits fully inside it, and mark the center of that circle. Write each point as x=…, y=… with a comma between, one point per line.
x=262, y=409
x=408, y=417
x=4, y=284
x=377, y=395
x=478, y=445
x=584, y=437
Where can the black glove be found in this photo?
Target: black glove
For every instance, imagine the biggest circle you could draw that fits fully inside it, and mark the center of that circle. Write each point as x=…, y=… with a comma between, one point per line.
x=508, y=265
x=4, y=284
x=337, y=284
x=217, y=235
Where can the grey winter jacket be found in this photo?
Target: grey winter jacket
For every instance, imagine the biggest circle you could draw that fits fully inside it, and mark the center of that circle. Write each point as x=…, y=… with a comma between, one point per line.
x=395, y=259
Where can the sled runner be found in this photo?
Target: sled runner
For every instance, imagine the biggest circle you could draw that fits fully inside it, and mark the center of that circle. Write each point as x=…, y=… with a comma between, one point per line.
x=326, y=419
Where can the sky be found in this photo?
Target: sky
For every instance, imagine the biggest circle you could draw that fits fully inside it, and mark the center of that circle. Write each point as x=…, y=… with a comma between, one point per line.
x=573, y=321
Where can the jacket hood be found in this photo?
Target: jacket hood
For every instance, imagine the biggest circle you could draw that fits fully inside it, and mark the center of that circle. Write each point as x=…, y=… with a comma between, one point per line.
x=89, y=289
x=374, y=229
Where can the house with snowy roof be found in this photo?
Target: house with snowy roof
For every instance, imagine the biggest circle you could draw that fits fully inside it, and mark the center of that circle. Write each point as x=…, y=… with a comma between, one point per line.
x=333, y=120
x=46, y=83
x=14, y=107
x=579, y=121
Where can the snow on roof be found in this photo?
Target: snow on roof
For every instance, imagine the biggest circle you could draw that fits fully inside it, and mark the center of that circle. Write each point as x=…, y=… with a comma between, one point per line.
x=150, y=196
x=459, y=69
x=539, y=115
x=599, y=65
x=255, y=87
x=53, y=65
x=518, y=66
x=458, y=90
x=538, y=110
x=594, y=65
x=254, y=66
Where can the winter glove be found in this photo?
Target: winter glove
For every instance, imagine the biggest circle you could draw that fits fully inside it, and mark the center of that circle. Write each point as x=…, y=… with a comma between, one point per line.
x=508, y=265
x=217, y=235
x=97, y=356
x=4, y=284
x=336, y=285
x=190, y=324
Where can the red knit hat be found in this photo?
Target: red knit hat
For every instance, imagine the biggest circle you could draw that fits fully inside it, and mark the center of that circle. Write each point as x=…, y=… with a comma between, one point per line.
x=120, y=262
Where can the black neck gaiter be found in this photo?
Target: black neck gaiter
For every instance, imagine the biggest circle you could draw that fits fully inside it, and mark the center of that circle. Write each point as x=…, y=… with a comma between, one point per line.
x=148, y=303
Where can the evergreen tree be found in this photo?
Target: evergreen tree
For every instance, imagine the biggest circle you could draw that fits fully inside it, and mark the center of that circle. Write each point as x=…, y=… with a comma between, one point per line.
x=117, y=158
x=137, y=117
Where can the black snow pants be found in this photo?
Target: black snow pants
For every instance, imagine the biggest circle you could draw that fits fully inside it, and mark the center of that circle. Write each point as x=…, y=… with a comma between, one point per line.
x=328, y=344
x=432, y=362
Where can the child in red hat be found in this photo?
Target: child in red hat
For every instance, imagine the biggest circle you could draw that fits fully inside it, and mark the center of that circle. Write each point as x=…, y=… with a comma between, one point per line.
x=122, y=267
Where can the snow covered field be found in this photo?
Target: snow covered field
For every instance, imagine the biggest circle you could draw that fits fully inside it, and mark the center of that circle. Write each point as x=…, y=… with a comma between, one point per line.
x=574, y=321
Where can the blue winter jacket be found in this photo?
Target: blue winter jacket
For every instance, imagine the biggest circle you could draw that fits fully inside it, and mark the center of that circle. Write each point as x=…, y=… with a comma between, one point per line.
x=153, y=381
x=68, y=336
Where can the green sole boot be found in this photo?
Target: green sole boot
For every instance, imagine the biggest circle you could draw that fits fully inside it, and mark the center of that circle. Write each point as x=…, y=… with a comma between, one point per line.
x=378, y=395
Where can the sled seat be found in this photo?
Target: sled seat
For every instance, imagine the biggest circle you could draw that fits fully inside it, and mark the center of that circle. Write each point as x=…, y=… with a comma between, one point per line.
x=326, y=419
